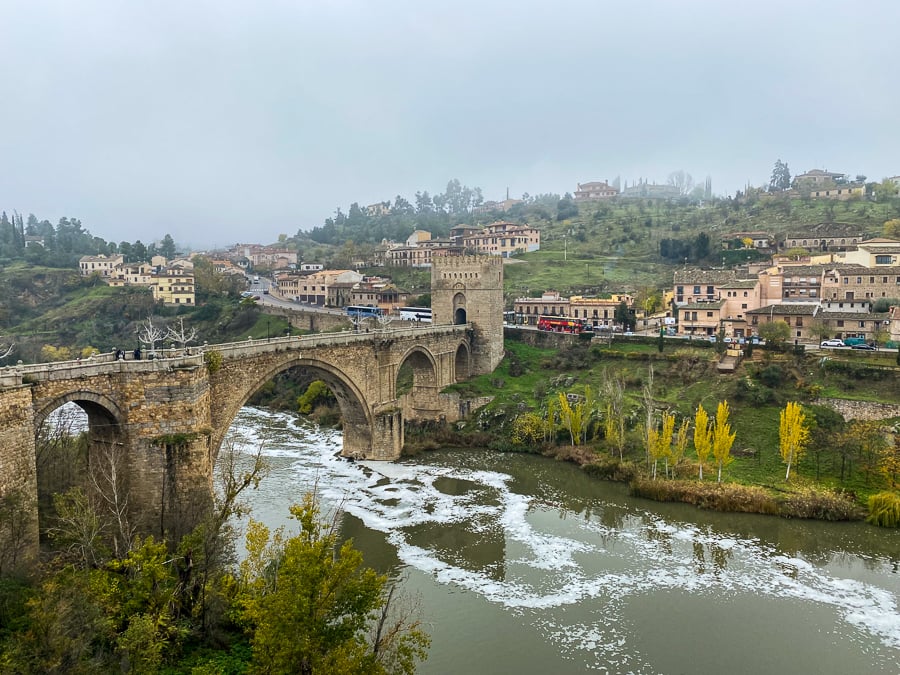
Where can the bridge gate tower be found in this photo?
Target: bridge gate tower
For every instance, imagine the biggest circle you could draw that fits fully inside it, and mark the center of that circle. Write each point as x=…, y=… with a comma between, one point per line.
x=469, y=289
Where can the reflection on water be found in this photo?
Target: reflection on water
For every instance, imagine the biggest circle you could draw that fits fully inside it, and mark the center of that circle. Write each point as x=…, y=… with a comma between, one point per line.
x=573, y=570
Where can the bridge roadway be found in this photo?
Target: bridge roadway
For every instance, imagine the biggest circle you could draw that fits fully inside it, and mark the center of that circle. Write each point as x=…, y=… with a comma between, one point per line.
x=164, y=419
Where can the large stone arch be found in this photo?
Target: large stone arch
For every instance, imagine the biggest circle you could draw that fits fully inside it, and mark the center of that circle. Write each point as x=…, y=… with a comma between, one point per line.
x=357, y=417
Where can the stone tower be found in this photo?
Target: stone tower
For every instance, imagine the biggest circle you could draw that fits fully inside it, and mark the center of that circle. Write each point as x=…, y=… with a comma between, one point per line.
x=469, y=289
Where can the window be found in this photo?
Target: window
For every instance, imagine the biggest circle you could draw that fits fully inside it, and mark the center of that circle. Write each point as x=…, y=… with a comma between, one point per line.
x=840, y=323
x=709, y=315
x=862, y=324
x=799, y=321
x=696, y=290
x=882, y=260
x=745, y=294
x=744, y=306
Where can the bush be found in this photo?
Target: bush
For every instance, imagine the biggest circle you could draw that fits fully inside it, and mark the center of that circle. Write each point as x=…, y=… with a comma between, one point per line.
x=820, y=505
x=884, y=509
x=610, y=468
x=717, y=496
x=213, y=360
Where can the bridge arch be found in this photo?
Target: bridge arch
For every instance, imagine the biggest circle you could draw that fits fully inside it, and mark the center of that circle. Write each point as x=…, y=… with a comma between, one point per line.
x=99, y=467
x=423, y=365
x=100, y=409
x=357, y=419
x=462, y=363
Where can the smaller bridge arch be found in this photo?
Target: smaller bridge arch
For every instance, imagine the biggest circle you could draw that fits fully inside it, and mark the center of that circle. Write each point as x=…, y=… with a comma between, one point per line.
x=462, y=363
x=98, y=407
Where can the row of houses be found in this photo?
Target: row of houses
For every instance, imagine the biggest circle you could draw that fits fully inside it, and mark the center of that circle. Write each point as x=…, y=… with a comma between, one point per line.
x=599, y=312
x=831, y=294
x=339, y=288
x=171, y=282
x=501, y=239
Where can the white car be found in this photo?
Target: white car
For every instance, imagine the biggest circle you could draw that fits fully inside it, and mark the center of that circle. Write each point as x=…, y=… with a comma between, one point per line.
x=832, y=343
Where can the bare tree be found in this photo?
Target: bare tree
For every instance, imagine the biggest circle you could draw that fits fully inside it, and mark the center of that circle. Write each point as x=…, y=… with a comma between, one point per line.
x=107, y=478
x=209, y=550
x=384, y=319
x=148, y=334
x=180, y=335
x=682, y=181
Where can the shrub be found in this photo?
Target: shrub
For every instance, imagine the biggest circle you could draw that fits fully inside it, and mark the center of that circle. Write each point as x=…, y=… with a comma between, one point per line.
x=213, y=360
x=717, y=496
x=820, y=505
x=884, y=509
x=610, y=468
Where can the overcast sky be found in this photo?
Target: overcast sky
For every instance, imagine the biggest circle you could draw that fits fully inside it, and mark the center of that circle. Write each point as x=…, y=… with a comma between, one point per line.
x=233, y=121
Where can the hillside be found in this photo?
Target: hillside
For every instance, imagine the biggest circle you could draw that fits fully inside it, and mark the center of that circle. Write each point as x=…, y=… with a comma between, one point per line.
x=594, y=247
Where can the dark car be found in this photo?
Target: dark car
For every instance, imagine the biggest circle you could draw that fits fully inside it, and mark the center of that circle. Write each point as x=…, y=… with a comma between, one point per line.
x=868, y=348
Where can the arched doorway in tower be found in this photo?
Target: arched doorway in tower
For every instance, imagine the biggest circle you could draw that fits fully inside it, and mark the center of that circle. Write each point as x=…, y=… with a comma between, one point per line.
x=459, y=309
x=82, y=473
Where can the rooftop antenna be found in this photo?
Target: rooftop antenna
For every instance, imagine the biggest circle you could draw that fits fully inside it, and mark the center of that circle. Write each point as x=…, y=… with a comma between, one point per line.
x=507, y=194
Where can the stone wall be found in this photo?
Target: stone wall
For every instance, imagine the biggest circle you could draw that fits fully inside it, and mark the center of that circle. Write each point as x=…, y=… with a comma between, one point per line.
x=861, y=410
x=310, y=320
x=18, y=481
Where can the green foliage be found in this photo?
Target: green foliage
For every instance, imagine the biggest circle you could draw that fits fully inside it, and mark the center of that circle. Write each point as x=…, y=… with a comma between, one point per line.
x=528, y=430
x=775, y=332
x=311, y=605
x=213, y=360
x=316, y=394
x=884, y=509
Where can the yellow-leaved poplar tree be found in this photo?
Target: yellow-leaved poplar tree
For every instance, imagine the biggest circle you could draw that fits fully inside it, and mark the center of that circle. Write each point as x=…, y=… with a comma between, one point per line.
x=702, y=436
x=722, y=438
x=679, y=445
x=793, y=434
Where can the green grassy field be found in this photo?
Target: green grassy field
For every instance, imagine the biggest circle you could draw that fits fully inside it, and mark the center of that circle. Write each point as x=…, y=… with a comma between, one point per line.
x=683, y=378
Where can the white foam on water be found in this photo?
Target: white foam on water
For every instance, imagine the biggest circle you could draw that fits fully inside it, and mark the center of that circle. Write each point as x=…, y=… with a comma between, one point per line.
x=550, y=572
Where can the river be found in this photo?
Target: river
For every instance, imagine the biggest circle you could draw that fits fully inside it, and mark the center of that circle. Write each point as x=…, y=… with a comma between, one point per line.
x=523, y=565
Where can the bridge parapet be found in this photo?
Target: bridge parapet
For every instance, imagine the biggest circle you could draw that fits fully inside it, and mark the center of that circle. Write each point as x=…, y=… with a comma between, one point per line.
x=166, y=359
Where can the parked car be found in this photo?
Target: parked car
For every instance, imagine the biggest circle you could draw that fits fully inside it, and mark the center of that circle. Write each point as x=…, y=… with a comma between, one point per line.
x=833, y=342
x=865, y=347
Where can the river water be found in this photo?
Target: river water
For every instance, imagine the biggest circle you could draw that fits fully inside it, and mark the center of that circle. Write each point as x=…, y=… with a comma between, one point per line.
x=523, y=565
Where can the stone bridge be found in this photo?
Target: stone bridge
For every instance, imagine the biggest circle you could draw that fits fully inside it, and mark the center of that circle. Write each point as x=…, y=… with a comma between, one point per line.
x=158, y=424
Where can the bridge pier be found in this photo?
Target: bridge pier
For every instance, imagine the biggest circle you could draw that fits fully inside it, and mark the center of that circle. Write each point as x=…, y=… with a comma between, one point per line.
x=18, y=482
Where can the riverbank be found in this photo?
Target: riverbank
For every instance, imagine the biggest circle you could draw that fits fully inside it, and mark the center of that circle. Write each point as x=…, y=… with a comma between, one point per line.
x=797, y=501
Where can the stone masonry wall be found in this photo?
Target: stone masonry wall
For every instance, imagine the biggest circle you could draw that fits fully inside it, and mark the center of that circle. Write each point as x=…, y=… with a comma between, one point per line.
x=18, y=480
x=861, y=410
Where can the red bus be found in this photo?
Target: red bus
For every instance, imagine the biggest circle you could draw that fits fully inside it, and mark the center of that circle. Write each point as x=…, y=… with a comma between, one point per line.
x=562, y=324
